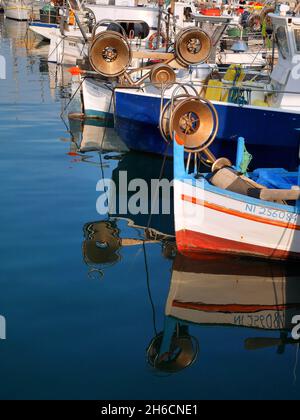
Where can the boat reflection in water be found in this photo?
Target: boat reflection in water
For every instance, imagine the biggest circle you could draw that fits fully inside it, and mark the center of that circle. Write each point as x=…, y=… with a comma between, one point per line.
x=91, y=135
x=216, y=291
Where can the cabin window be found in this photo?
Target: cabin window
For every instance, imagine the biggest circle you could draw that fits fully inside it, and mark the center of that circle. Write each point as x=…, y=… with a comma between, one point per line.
x=133, y=29
x=282, y=41
x=188, y=14
x=297, y=39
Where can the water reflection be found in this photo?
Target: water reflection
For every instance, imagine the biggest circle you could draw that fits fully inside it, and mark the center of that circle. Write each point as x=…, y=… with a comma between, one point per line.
x=23, y=43
x=93, y=135
x=49, y=197
x=235, y=293
x=31, y=74
x=104, y=239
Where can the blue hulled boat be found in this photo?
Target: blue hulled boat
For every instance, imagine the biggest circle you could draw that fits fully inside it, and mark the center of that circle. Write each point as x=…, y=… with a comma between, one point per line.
x=270, y=120
x=272, y=134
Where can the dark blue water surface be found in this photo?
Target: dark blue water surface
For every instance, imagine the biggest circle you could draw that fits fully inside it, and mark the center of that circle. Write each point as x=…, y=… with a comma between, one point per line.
x=80, y=316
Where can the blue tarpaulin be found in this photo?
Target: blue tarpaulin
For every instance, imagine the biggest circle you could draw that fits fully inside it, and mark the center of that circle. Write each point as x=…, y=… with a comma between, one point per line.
x=276, y=178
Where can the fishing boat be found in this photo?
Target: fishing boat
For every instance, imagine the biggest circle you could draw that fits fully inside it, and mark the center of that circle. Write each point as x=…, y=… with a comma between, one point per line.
x=97, y=99
x=227, y=292
x=229, y=210
x=17, y=9
x=68, y=42
x=267, y=114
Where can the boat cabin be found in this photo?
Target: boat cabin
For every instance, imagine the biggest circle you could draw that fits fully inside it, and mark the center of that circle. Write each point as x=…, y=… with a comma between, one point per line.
x=286, y=74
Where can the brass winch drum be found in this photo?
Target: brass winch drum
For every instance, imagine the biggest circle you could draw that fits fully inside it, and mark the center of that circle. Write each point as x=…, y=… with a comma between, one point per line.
x=192, y=46
x=195, y=123
x=162, y=74
x=165, y=116
x=110, y=54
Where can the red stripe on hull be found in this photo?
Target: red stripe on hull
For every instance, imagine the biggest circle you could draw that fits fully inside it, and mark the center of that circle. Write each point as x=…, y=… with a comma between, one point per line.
x=240, y=214
x=192, y=244
x=232, y=309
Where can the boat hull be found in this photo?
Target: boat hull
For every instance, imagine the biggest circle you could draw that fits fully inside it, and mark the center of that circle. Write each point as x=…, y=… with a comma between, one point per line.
x=228, y=223
x=272, y=136
x=97, y=100
x=45, y=31
x=17, y=11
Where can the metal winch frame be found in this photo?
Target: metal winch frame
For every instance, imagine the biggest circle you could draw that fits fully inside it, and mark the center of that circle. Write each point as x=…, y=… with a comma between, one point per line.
x=111, y=56
x=191, y=121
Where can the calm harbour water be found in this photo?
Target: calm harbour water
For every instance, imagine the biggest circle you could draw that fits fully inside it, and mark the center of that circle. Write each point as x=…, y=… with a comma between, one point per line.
x=79, y=321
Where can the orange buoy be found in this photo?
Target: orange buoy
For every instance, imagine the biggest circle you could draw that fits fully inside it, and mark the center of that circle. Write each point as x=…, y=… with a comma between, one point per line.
x=75, y=71
x=211, y=12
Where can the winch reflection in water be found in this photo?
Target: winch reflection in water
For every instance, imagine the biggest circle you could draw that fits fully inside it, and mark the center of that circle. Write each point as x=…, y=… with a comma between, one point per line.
x=104, y=239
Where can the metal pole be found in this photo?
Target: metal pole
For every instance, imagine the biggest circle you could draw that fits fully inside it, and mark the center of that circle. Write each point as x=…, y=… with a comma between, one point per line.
x=274, y=41
x=160, y=12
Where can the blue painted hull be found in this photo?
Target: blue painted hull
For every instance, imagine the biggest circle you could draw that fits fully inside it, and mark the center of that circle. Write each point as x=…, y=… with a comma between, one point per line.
x=271, y=136
x=43, y=25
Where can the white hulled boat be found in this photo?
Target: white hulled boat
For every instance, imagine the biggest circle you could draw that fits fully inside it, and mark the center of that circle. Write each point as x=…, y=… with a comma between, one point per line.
x=17, y=9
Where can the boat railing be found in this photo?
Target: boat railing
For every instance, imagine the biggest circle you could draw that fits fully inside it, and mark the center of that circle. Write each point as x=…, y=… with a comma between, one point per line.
x=201, y=89
x=48, y=16
x=198, y=84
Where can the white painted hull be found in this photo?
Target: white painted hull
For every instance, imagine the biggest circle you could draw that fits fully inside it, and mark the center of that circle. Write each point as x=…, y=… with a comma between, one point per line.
x=44, y=32
x=215, y=222
x=65, y=50
x=97, y=99
x=17, y=10
x=62, y=50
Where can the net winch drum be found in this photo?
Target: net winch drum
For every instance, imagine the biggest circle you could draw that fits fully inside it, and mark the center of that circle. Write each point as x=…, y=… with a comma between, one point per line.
x=110, y=54
x=162, y=74
x=164, y=123
x=192, y=46
x=195, y=123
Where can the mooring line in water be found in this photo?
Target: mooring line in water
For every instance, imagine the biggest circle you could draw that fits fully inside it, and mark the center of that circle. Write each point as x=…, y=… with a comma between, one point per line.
x=296, y=364
x=72, y=97
x=53, y=51
x=65, y=109
x=160, y=178
x=106, y=120
x=144, y=242
x=149, y=289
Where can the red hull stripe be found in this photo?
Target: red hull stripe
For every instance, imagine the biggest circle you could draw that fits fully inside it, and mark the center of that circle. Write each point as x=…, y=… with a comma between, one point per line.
x=192, y=243
x=237, y=213
x=232, y=308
